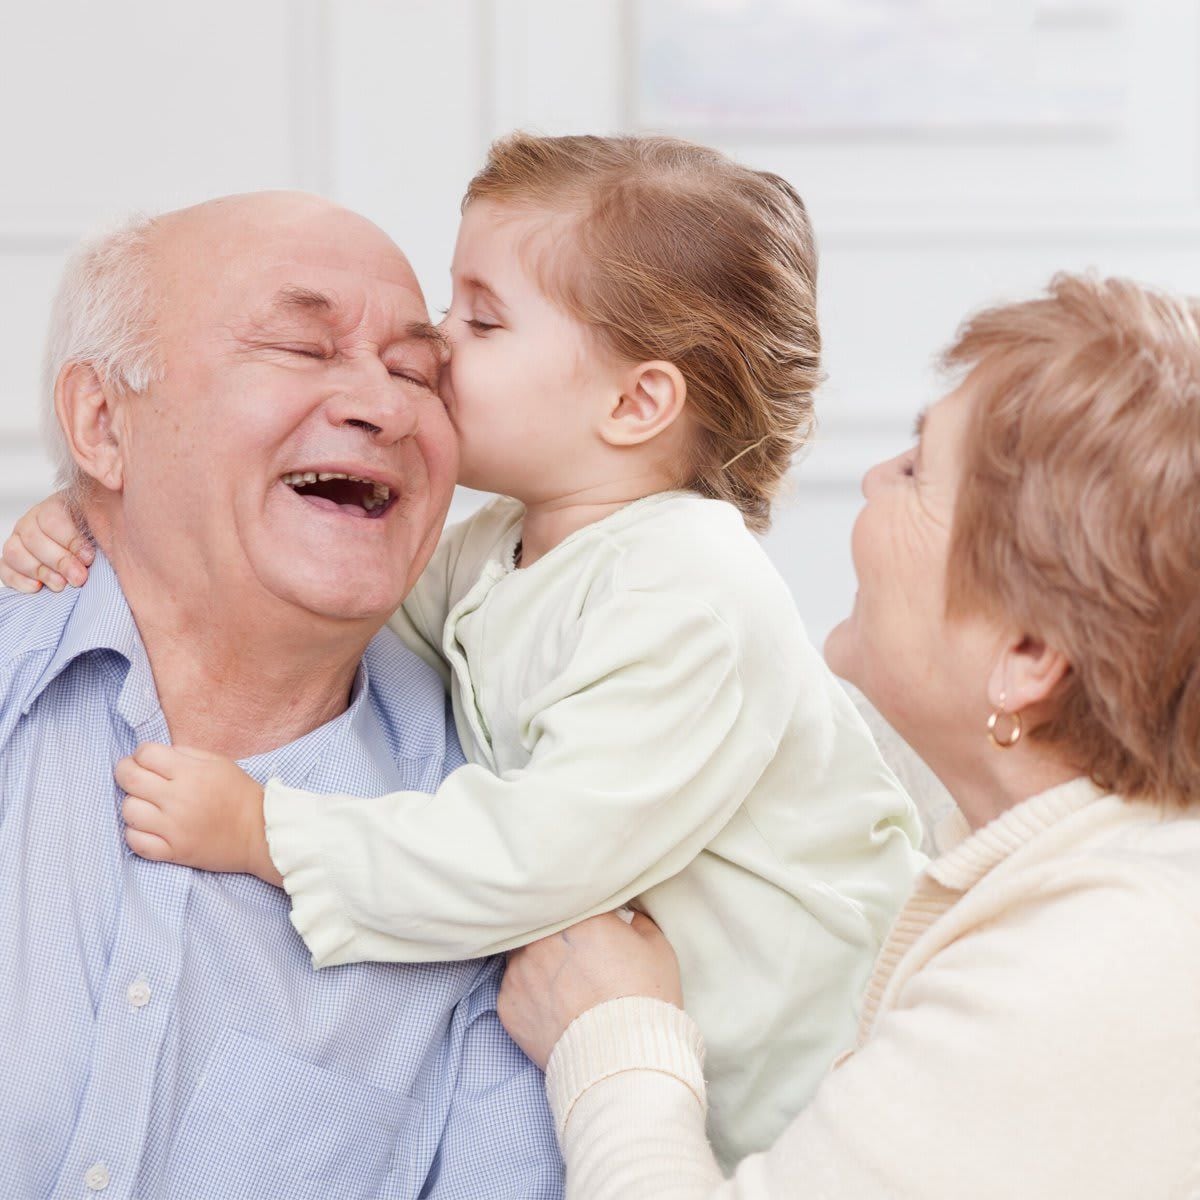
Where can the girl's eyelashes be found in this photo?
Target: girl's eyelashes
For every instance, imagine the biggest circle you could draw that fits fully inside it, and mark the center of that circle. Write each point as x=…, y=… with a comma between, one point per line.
x=480, y=326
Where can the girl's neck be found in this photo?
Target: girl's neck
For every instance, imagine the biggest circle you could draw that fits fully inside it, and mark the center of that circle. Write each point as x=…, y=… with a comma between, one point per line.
x=547, y=523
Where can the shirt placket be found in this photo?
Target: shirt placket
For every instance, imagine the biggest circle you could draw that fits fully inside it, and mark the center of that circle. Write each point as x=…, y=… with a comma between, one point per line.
x=133, y=1012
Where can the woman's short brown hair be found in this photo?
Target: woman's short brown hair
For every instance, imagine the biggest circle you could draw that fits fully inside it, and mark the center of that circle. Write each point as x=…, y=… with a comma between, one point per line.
x=681, y=254
x=1078, y=516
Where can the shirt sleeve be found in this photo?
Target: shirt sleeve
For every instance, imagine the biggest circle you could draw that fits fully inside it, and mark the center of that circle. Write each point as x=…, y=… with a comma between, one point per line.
x=498, y=1140
x=640, y=752
x=1042, y=1054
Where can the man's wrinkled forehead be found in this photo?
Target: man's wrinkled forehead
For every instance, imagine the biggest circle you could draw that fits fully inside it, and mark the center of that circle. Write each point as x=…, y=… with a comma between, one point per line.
x=241, y=251
x=342, y=309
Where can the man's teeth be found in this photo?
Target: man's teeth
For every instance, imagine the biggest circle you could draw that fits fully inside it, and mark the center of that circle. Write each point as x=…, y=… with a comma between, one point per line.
x=379, y=495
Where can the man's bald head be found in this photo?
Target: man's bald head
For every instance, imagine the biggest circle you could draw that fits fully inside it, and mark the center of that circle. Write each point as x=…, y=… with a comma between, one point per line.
x=250, y=389
x=112, y=298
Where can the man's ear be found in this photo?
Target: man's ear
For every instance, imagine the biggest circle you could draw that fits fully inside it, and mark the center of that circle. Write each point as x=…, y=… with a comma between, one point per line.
x=85, y=410
x=651, y=398
x=1026, y=673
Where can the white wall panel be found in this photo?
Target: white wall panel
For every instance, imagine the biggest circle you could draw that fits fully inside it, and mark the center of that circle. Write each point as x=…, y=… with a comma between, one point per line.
x=410, y=117
x=388, y=107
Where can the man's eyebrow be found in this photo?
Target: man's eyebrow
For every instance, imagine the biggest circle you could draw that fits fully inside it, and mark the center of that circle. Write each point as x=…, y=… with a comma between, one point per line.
x=303, y=299
x=423, y=331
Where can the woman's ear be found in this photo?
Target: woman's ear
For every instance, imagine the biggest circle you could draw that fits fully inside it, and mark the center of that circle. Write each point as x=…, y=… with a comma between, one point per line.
x=86, y=413
x=651, y=398
x=1026, y=673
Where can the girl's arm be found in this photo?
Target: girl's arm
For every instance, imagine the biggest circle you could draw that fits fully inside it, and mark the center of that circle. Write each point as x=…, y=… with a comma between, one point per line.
x=637, y=760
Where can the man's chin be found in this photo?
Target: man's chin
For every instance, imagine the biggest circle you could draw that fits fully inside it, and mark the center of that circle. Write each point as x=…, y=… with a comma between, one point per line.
x=337, y=592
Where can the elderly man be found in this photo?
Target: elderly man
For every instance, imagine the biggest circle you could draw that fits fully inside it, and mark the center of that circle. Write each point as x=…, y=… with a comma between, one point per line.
x=247, y=397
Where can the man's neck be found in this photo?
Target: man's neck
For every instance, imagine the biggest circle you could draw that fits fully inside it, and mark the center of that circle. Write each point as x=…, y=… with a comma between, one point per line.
x=236, y=681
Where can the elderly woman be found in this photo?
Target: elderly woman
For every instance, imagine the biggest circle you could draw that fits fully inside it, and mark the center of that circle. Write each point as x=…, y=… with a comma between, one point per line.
x=1028, y=618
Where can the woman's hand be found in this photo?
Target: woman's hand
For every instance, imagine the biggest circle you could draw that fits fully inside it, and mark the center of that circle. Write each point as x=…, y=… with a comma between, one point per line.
x=549, y=983
x=46, y=547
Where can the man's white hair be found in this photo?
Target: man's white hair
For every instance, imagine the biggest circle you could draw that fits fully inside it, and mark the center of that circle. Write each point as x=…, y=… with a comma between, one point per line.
x=103, y=315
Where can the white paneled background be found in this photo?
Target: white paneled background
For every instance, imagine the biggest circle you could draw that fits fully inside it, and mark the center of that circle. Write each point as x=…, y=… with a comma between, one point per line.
x=388, y=105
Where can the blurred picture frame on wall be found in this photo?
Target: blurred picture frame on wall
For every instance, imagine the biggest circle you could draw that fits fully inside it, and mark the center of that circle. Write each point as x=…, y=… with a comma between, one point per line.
x=801, y=69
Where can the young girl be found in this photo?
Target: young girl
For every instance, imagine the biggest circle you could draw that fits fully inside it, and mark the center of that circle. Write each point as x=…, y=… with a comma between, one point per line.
x=634, y=353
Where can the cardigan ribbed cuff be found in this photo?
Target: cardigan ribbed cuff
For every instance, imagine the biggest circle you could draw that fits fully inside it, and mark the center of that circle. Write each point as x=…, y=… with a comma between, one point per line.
x=634, y=1033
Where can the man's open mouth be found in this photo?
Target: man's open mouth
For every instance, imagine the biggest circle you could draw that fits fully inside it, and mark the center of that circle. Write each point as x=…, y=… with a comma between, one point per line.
x=351, y=494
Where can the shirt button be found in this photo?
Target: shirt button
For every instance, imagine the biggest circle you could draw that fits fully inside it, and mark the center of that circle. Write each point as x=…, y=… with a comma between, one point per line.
x=96, y=1177
x=139, y=994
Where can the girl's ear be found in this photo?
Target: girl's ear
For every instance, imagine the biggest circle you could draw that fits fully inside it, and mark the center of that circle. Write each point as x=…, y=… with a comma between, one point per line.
x=651, y=398
x=85, y=410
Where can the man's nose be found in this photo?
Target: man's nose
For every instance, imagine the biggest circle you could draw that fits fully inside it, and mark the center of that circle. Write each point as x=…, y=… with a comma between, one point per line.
x=384, y=411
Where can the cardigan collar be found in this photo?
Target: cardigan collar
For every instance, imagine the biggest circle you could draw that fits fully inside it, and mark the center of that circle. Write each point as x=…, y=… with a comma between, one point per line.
x=964, y=865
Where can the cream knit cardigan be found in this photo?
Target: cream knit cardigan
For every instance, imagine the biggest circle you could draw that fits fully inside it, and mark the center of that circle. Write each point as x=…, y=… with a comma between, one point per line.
x=1032, y=1029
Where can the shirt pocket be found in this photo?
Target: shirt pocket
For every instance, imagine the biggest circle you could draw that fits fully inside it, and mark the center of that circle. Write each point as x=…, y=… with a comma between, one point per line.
x=263, y=1124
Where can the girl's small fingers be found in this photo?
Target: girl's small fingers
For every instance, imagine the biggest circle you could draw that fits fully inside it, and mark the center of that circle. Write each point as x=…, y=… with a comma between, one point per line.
x=18, y=559
x=54, y=520
x=18, y=582
x=53, y=554
x=141, y=815
x=148, y=845
x=134, y=780
x=154, y=756
x=84, y=549
x=51, y=578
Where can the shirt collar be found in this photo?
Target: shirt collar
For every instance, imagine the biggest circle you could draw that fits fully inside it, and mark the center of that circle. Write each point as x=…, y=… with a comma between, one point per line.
x=102, y=620
x=298, y=760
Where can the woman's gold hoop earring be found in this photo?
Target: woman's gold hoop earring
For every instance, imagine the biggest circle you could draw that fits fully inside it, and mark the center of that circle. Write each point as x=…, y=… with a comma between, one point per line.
x=1009, y=740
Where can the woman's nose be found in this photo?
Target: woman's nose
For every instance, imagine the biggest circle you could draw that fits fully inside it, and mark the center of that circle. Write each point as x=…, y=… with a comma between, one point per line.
x=870, y=480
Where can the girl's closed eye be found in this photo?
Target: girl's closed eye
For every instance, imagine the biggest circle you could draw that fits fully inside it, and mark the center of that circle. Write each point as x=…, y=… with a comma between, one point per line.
x=481, y=326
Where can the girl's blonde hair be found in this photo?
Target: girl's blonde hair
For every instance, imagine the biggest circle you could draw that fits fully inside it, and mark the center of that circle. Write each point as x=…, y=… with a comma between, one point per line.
x=680, y=254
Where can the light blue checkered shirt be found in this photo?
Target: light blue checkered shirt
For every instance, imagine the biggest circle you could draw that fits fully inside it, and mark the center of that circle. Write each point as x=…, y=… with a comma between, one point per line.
x=162, y=1032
